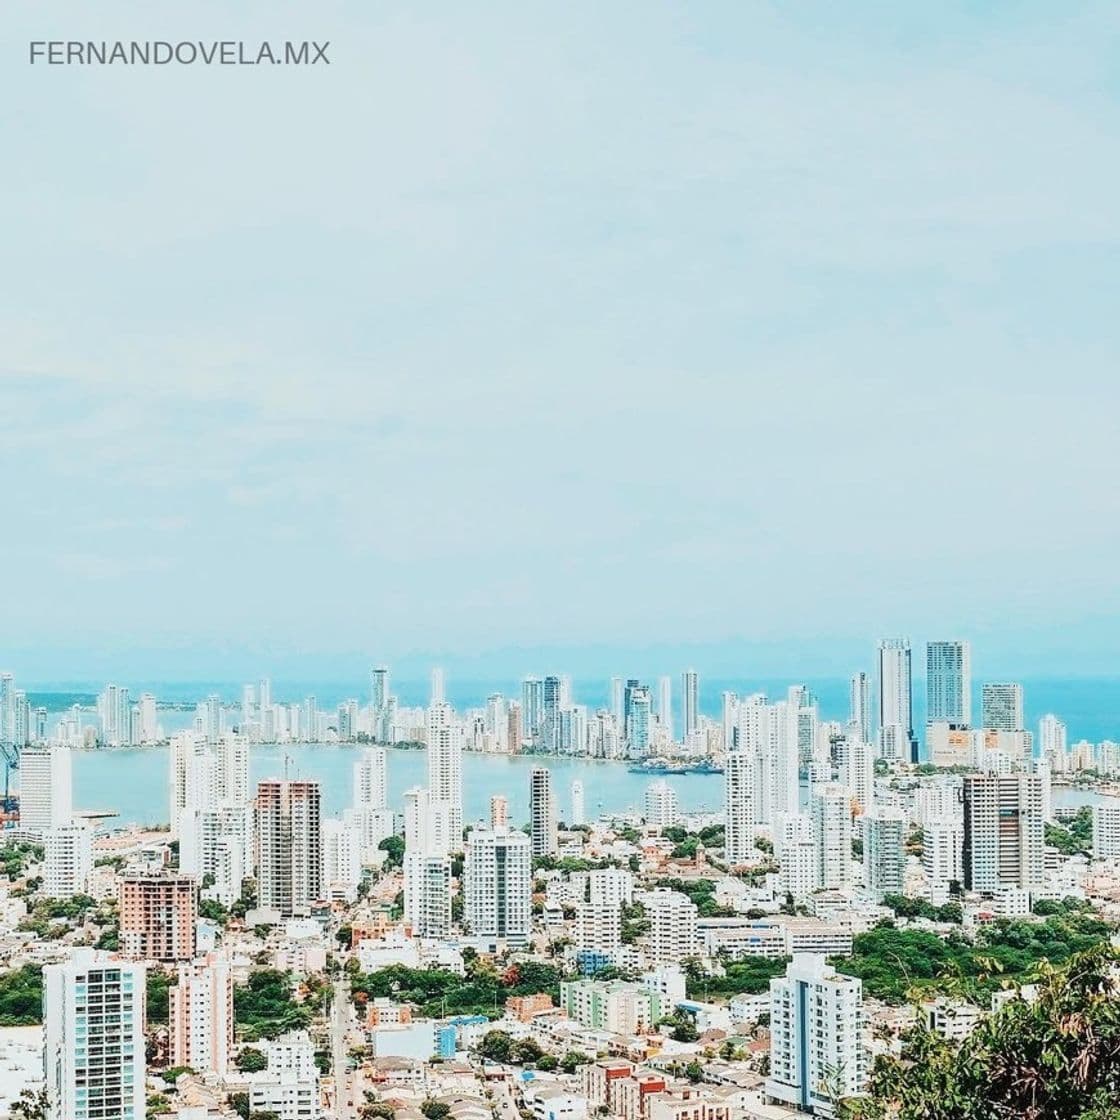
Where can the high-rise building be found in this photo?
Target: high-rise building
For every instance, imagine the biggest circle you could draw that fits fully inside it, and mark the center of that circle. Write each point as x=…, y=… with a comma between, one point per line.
x=7, y=708
x=67, y=860
x=665, y=703
x=370, y=782
x=672, y=927
x=93, y=1018
x=1001, y=707
x=379, y=687
x=532, y=708
x=542, y=812
x=884, y=851
x=289, y=1087
x=859, y=706
x=637, y=719
x=45, y=788
x=289, y=845
x=201, y=1015
x=739, y=811
x=816, y=1036
x=949, y=683
x=830, y=810
x=598, y=928
x=552, y=702
x=617, y=698
x=1003, y=833
x=662, y=808
x=217, y=841
x=942, y=856
x=157, y=916
x=690, y=702
x=427, y=863
x=445, y=766
x=1052, y=742
x=498, y=881
x=1106, y=828
x=798, y=862
x=579, y=807
x=342, y=859
x=896, y=720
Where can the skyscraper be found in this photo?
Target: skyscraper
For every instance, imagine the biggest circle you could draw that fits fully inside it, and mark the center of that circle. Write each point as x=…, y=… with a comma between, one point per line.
x=579, y=808
x=859, y=706
x=542, y=812
x=532, y=708
x=1052, y=742
x=816, y=1036
x=896, y=721
x=830, y=810
x=93, y=1012
x=949, y=683
x=67, y=860
x=690, y=702
x=370, y=784
x=884, y=851
x=661, y=807
x=427, y=863
x=1001, y=707
x=445, y=766
x=637, y=720
x=739, y=812
x=1003, y=833
x=379, y=687
x=665, y=703
x=498, y=887
x=46, y=788
x=290, y=845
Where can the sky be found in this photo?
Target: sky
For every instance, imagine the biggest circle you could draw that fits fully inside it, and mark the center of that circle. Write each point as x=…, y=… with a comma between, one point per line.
x=530, y=337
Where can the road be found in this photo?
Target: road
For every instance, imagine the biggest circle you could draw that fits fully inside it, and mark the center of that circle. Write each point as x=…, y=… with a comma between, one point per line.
x=341, y=1014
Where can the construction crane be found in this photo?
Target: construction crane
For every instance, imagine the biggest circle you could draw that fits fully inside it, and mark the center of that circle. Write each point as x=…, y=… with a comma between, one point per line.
x=10, y=751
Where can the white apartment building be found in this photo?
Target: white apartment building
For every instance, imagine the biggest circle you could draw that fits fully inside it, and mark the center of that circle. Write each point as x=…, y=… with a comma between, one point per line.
x=201, y=1016
x=45, y=788
x=444, y=738
x=830, y=810
x=884, y=851
x=598, y=927
x=498, y=884
x=93, y=1012
x=817, y=1055
x=290, y=1085
x=342, y=860
x=67, y=860
x=796, y=851
x=1106, y=829
x=672, y=927
x=661, y=809
x=942, y=856
x=739, y=808
x=611, y=886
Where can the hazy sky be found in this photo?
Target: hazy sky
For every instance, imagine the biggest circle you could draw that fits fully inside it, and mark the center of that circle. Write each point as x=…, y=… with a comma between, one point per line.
x=530, y=333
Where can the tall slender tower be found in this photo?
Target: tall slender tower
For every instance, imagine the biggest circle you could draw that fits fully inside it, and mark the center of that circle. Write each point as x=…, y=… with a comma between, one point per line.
x=542, y=812
x=896, y=718
x=690, y=701
x=445, y=766
x=859, y=705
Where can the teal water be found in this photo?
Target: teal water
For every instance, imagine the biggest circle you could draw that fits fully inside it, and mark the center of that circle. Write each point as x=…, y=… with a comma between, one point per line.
x=133, y=782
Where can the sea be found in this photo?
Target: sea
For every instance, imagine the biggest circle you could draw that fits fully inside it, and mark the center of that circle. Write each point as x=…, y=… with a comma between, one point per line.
x=132, y=783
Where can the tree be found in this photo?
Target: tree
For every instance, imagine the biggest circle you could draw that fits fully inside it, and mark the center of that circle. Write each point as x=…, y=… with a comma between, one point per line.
x=1054, y=1058
x=239, y=1102
x=547, y=1062
x=497, y=1046
x=30, y=1105
x=572, y=1060
x=394, y=845
x=251, y=1060
x=373, y=1109
x=435, y=1110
